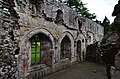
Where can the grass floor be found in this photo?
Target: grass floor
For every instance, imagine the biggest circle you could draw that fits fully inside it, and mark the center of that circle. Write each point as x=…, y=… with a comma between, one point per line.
x=35, y=53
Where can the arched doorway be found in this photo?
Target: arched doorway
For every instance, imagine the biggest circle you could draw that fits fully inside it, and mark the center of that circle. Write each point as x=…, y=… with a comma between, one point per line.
x=65, y=48
x=78, y=50
x=41, y=47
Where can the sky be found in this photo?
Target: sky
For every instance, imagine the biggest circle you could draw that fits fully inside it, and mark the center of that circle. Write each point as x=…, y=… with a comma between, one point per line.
x=101, y=8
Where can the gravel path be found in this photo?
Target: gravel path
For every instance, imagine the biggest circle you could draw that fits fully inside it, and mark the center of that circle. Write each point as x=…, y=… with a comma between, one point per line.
x=84, y=70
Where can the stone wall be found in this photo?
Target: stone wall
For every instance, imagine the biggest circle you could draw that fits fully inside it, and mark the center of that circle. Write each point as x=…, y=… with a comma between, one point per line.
x=115, y=71
x=9, y=40
x=53, y=21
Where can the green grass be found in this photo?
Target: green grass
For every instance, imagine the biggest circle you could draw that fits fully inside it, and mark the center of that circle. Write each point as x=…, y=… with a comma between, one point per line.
x=33, y=57
x=37, y=53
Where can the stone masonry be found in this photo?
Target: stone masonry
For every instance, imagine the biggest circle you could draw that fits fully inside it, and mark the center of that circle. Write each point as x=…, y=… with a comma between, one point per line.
x=115, y=71
x=61, y=34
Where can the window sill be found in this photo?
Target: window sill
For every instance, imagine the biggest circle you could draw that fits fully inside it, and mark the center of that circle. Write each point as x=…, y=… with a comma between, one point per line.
x=37, y=67
x=64, y=59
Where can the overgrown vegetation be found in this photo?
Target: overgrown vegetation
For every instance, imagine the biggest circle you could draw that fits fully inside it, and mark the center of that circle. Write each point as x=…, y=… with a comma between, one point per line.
x=108, y=27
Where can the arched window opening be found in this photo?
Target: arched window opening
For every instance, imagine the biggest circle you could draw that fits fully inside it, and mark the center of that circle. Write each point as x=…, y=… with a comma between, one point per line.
x=59, y=16
x=65, y=48
x=41, y=52
x=35, y=50
x=78, y=50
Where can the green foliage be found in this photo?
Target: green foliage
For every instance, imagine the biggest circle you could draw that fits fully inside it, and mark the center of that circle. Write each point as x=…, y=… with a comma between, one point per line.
x=35, y=52
x=80, y=8
x=37, y=58
x=108, y=27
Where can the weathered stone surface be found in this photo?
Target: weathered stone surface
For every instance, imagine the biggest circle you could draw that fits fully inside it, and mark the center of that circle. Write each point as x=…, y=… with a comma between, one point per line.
x=52, y=22
x=117, y=61
x=116, y=70
x=8, y=61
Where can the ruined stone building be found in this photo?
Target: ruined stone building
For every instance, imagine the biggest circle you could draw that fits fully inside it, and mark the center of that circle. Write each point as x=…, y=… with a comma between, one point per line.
x=115, y=70
x=39, y=37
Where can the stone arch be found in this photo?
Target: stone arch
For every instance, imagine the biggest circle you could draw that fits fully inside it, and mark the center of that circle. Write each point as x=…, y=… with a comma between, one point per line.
x=81, y=37
x=71, y=40
x=65, y=49
x=39, y=30
x=25, y=58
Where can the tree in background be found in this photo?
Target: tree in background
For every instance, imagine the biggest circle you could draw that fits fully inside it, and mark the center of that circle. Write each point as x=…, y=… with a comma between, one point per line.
x=108, y=27
x=80, y=8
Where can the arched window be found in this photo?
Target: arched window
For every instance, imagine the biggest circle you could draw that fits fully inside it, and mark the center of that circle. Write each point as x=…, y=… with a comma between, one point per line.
x=65, y=48
x=41, y=47
x=35, y=50
x=59, y=16
x=78, y=50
